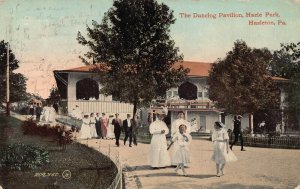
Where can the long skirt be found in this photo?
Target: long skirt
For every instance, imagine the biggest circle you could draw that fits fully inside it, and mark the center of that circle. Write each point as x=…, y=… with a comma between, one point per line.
x=220, y=155
x=85, y=132
x=93, y=130
x=158, y=154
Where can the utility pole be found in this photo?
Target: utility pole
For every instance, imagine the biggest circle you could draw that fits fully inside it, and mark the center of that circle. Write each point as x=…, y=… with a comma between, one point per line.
x=7, y=83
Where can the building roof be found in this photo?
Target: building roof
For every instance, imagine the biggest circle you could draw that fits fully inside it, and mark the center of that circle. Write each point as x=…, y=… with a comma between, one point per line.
x=197, y=69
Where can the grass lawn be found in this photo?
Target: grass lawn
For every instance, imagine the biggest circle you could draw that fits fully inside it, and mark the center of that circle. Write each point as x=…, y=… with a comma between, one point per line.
x=88, y=168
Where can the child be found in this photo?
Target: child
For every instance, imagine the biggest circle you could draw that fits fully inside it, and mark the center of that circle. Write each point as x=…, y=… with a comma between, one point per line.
x=222, y=153
x=85, y=131
x=182, y=154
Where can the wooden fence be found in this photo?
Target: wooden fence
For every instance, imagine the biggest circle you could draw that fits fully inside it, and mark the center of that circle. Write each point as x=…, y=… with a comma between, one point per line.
x=271, y=142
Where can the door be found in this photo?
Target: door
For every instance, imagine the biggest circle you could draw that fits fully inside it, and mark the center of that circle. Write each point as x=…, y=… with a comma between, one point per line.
x=202, y=123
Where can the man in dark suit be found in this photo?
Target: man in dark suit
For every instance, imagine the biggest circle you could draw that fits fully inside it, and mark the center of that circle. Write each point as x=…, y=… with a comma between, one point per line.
x=237, y=130
x=128, y=129
x=117, y=122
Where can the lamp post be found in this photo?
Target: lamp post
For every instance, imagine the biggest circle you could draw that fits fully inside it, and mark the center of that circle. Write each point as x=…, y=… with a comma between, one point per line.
x=7, y=83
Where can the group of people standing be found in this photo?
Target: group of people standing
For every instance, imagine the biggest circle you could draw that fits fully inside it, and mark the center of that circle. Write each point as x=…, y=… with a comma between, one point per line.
x=101, y=127
x=95, y=127
x=43, y=114
x=180, y=133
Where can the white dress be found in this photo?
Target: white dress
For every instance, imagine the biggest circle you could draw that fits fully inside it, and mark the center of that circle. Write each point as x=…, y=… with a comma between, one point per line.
x=158, y=154
x=220, y=155
x=174, y=130
x=48, y=114
x=93, y=127
x=182, y=154
x=110, y=130
x=85, y=131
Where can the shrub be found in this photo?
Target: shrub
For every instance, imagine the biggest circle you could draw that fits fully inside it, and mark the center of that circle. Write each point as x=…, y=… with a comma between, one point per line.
x=21, y=157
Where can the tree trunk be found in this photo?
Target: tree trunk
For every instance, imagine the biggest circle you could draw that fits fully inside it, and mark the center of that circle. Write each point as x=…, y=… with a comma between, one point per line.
x=7, y=109
x=135, y=103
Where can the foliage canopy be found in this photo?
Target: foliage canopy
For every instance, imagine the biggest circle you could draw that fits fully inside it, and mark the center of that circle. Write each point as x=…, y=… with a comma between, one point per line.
x=133, y=42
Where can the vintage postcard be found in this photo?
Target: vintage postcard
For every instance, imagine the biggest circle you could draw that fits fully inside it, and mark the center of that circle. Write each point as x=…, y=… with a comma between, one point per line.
x=149, y=94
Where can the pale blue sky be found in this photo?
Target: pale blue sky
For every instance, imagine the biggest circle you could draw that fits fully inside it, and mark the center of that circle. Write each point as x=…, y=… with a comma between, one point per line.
x=43, y=32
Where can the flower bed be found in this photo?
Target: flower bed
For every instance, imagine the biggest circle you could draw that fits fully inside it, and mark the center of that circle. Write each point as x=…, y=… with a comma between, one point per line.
x=58, y=133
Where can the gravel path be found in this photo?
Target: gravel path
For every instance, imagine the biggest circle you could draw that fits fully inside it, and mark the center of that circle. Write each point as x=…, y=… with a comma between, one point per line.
x=255, y=168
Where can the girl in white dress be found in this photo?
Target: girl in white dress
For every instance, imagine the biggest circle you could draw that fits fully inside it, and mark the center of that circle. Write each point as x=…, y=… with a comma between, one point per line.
x=85, y=131
x=182, y=154
x=222, y=153
x=93, y=126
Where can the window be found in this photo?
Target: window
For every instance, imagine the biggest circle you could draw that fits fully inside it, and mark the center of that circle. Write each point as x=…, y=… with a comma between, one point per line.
x=175, y=93
x=206, y=94
x=200, y=94
x=87, y=89
x=188, y=91
x=169, y=94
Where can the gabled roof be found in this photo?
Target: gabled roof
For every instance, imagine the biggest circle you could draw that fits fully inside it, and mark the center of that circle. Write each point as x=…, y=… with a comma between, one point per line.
x=197, y=69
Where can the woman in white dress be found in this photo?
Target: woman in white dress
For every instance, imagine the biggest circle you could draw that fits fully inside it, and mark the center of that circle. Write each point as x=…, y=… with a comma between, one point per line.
x=93, y=126
x=85, y=131
x=158, y=155
x=182, y=155
x=110, y=129
x=222, y=153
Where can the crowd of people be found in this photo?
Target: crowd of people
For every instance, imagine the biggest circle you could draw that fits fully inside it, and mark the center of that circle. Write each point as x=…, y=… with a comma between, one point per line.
x=109, y=128
x=159, y=156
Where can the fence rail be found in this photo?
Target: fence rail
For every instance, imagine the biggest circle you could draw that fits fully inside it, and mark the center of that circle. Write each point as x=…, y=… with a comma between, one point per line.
x=114, y=156
x=271, y=142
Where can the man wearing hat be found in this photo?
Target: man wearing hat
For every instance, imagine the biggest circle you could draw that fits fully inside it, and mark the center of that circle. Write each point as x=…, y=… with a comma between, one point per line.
x=237, y=130
x=117, y=122
x=159, y=156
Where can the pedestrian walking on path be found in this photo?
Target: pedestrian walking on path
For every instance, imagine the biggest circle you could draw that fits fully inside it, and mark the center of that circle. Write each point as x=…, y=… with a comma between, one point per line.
x=237, y=130
x=222, y=154
x=175, y=129
x=158, y=155
x=128, y=129
x=117, y=122
x=182, y=154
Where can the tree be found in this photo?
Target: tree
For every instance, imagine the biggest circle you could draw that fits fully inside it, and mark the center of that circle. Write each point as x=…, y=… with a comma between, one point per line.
x=286, y=63
x=54, y=96
x=134, y=45
x=17, y=80
x=239, y=82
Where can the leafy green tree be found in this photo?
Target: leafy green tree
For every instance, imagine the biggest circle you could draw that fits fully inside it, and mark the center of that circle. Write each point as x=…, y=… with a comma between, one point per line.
x=286, y=63
x=239, y=82
x=133, y=43
x=17, y=80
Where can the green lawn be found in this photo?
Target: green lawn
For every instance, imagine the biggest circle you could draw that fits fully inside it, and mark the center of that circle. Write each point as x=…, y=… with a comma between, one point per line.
x=89, y=168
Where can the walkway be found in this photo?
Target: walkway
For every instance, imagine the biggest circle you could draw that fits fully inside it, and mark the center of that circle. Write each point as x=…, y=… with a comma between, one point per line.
x=255, y=168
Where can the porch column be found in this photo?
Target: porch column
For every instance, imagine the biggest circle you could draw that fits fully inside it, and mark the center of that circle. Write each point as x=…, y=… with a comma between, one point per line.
x=251, y=124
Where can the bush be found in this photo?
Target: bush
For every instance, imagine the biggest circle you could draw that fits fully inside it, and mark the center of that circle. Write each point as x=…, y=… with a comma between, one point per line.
x=21, y=157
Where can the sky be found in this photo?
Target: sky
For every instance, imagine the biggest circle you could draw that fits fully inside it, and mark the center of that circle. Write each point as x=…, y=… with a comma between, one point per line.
x=42, y=33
